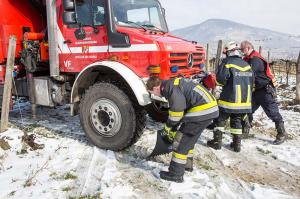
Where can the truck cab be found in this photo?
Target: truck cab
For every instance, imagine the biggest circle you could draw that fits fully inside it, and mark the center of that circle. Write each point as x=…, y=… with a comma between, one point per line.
x=133, y=32
x=97, y=55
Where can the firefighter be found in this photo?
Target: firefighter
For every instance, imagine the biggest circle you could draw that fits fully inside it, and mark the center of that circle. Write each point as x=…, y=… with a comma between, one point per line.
x=264, y=94
x=191, y=106
x=235, y=77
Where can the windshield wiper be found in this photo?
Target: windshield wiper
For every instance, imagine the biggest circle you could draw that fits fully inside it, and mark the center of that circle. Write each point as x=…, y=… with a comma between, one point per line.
x=153, y=26
x=131, y=22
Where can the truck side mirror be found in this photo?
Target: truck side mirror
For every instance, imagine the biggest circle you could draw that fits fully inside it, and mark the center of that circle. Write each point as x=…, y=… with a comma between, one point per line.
x=69, y=18
x=68, y=5
x=80, y=33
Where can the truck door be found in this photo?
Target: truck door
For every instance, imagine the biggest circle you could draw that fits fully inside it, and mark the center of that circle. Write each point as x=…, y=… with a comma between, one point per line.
x=84, y=42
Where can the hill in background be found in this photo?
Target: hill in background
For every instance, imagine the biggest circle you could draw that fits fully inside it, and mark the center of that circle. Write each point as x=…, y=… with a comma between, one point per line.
x=281, y=45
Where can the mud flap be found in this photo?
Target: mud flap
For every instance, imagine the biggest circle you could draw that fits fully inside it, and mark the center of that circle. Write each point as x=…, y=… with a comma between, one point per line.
x=161, y=147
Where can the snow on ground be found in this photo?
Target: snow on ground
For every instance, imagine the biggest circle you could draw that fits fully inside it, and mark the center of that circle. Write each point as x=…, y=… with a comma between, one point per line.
x=69, y=166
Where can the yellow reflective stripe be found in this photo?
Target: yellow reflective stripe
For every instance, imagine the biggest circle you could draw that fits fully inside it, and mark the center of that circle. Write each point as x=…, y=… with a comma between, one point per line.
x=239, y=94
x=179, y=156
x=206, y=93
x=176, y=114
x=245, y=117
x=249, y=94
x=221, y=102
x=238, y=67
x=190, y=154
x=176, y=81
x=236, y=131
x=203, y=107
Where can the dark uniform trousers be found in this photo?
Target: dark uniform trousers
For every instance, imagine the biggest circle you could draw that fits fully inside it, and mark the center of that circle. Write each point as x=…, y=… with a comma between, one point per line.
x=193, y=106
x=235, y=122
x=265, y=97
x=184, y=144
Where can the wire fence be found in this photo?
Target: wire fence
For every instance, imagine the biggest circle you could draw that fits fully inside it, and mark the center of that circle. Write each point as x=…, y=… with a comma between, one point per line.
x=281, y=66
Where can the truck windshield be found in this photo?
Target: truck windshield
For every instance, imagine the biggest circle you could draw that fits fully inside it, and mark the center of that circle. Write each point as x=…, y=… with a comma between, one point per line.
x=139, y=13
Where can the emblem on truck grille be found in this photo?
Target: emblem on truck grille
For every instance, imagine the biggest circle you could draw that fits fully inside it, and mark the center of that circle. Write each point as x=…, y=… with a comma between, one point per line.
x=190, y=61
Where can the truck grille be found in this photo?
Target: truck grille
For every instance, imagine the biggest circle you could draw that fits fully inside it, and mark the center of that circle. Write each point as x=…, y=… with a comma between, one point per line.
x=199, y=48
x=181, y=59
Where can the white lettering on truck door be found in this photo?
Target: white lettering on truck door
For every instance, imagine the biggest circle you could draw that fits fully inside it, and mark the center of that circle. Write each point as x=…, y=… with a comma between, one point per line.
x=67, y=64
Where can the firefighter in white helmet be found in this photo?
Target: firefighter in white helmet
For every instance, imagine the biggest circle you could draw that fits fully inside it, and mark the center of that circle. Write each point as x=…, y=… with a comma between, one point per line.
x=235, y=77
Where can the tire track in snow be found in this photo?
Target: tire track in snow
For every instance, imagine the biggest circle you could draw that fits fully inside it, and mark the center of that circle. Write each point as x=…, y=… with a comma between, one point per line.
x=112, y=185
x=83, y=190
x=82, y=170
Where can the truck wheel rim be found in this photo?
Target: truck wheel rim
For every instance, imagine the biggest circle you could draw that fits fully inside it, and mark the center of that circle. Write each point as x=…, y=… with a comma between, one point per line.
x=106, y=117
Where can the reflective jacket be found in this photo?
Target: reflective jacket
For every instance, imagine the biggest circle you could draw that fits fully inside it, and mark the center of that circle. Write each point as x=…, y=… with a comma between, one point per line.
x=188, y=101
x=236, y=77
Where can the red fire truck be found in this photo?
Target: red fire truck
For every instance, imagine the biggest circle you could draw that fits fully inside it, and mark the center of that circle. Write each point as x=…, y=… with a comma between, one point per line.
x=95, y=55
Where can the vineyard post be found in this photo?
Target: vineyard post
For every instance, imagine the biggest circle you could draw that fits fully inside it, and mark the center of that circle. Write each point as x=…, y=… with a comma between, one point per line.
x=297, y=100
x=207, y=58
x=287, y=70
x=260, y=49
x=218, y=58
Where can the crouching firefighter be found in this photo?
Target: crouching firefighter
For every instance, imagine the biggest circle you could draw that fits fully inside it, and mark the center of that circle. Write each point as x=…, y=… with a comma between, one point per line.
x=235, y=76
x=192, y=108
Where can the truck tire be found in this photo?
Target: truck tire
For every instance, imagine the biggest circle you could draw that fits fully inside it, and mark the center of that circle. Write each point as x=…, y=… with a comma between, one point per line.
x=140, y=123
x=109, y=118
x=157, y=113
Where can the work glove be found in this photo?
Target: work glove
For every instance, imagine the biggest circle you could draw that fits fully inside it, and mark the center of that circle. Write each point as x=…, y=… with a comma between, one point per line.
x=167, y=134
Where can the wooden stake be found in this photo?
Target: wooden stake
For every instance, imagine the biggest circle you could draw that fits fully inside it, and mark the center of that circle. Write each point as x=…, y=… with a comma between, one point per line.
x=8, y=83
x=207, y=59
x=218, y=58
x=287, y=70
x=297, y=100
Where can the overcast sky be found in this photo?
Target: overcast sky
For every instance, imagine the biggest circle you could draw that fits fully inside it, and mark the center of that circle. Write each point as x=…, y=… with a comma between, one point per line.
x=277, y=15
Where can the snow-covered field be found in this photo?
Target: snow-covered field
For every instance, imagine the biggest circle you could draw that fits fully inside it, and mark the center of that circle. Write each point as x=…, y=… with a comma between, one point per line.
x=66, y=165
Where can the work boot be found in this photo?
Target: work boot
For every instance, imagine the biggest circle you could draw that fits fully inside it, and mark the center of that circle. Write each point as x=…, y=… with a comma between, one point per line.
x=236, y=143
x=189, y=165
x=281, y=134
x=216, y=143
x=170, y=176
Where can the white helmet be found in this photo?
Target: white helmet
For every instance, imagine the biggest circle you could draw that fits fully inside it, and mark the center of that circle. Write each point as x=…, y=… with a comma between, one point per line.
x=232, y=45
